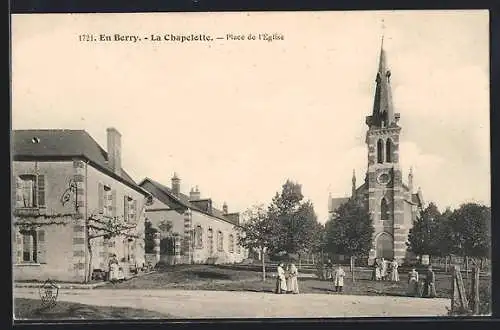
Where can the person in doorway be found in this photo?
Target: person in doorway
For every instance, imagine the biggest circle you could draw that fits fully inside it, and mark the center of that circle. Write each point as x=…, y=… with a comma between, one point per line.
x=413, y=283
x=338, y=280
x=394, y=271
x=281, y=279
x=429, y=284
x=292, y=283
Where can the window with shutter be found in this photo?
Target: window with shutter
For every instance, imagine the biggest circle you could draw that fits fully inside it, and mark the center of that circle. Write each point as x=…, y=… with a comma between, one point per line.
x=19, y=192
x=101, y=197
x=29, y=246
x=133, y=213
x=41, y=246
x=19, y=247
x=41, y=190
x=126, y=208
x=113, y=204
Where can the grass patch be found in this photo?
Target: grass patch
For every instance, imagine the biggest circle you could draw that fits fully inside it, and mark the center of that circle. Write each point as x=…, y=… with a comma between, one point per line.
x=32, y=309
x=238, y=278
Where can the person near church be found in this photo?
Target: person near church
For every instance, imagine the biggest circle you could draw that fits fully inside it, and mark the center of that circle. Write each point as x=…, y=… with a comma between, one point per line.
x=429, y=284
x=113, y=266
x=281, y=279
x=394, y=271
x=338, y=279
x=413, y=289
x=292, y=281
x=383, y=270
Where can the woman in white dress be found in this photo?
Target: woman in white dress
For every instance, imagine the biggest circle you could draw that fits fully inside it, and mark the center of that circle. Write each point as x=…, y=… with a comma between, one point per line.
x=293, y=284
x=113, y=269
x=394, y=271
x=281, y=280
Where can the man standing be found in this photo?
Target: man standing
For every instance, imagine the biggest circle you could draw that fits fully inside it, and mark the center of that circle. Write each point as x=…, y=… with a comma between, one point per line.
x=429, y=284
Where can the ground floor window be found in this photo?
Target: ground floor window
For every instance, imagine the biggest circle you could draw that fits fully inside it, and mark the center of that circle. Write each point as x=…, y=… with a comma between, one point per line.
x=29, y=246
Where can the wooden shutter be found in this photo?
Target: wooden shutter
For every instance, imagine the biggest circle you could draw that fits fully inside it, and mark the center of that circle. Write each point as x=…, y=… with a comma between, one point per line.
x=125, y=208
x=19, y=246
x=41, y=190
x=133, y=214
x=19, y=192
x=100, y=196
x=41, y=247
x=113, y=203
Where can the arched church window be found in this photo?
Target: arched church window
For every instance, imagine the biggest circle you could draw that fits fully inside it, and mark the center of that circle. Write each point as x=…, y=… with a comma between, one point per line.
x=384, y=210
x=380, y=151
x=388, y=151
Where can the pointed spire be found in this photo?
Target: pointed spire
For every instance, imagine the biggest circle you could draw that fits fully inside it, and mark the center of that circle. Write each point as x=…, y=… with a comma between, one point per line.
x=383, y=110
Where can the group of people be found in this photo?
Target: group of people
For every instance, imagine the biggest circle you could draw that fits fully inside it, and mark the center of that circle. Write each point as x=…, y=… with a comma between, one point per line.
x=385, y=270
x=429, y=284
x=287, y=279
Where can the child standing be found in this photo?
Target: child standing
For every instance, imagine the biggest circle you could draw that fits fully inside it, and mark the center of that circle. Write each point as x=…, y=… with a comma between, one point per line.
x=338, y=280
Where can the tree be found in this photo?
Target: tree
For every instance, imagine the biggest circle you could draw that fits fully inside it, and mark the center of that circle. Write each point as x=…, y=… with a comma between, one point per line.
x=107, y=227
x=295, y=221
x=422, y=238
x=471, y=225
x=350, y=231
x=149, y=235
x=257, y=232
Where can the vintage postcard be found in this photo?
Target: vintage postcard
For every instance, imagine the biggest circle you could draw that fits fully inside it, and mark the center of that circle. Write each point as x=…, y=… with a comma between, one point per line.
x=250, y=165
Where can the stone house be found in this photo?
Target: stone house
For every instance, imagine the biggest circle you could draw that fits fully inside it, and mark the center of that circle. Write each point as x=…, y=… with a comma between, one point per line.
x=64, y=186
x=199, y=232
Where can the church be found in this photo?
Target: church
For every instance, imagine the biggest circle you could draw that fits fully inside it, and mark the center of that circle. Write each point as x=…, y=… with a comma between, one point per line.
x=392, y=204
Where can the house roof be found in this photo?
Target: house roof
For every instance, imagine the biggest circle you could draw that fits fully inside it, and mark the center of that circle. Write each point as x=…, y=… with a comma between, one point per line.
x=334, y=203
x=175, y=200
x=64, y=144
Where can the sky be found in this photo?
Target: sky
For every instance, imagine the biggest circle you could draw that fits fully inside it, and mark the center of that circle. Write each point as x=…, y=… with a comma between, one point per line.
x=239, y=118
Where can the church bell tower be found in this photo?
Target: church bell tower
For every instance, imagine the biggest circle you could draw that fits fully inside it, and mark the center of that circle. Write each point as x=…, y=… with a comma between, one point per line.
x=384, y=179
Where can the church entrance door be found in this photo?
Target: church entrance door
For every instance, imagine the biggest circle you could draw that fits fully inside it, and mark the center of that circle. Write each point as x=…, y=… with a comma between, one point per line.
x=385, y=246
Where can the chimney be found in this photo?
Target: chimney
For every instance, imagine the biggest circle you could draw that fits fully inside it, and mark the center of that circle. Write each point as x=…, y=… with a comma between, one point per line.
x=176, y=184
x=194, y=194
x=224, y=208
x=114, y=150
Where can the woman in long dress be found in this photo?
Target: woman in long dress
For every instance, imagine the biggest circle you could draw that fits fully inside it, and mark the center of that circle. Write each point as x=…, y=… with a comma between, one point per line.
x=293, y=284
x=281, y=280
x=413, y=283
x=113, y=269
x=383, y=271
x=394, y=271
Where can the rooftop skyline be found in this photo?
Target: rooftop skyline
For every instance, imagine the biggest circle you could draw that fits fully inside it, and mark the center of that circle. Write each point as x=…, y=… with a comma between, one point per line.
x=239, y=118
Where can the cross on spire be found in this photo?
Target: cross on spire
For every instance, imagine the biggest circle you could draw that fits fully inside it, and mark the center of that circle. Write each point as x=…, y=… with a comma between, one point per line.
x=383, y=31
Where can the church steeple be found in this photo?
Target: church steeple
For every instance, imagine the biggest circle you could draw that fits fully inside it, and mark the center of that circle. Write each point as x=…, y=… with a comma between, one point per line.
x=383, y=110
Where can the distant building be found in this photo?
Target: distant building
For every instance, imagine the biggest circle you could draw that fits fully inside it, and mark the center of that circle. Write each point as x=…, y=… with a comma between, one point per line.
x=392, y=204
x=198, y=232
x=60, y=178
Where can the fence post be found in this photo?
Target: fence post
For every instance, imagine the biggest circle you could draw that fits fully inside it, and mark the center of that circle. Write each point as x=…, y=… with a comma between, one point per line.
x=475, y=291
x=459, y=297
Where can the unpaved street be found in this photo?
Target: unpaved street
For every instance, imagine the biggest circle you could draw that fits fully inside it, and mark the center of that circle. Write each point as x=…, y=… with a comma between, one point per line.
x=226, y=304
